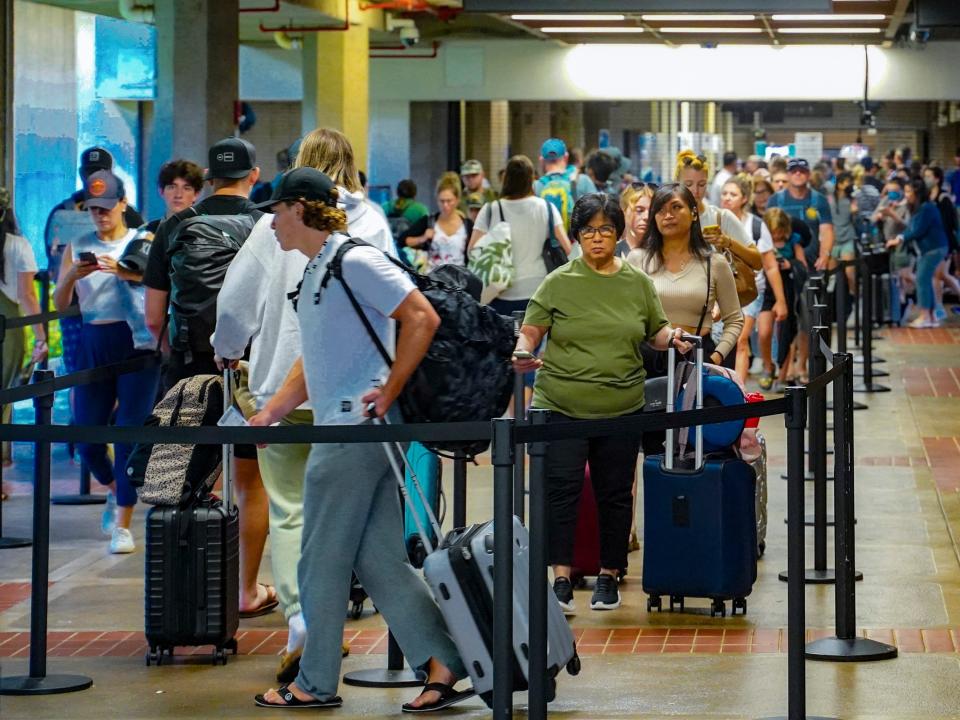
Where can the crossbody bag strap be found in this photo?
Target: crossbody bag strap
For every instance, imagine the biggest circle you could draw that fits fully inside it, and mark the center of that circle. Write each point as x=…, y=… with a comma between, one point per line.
x=706, y=300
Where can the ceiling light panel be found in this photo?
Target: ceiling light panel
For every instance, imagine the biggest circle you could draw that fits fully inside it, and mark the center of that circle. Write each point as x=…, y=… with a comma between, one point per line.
x=838, y=17
x=828, y=31
x=570, y=18
x=698, y=18
x=709, y=30
x=587, y=29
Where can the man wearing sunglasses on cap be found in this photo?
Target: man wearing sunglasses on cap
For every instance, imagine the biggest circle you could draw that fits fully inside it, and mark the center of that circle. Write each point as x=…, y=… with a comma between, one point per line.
x=801, y=201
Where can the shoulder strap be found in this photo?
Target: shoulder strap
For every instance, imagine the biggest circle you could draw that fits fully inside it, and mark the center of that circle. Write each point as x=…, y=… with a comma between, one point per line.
x=549, y=220
x=757, y=229
x=500, y=208
x=706, y=300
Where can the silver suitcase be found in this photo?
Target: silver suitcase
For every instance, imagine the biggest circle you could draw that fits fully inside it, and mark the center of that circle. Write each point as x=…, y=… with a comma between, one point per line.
x=760, y=467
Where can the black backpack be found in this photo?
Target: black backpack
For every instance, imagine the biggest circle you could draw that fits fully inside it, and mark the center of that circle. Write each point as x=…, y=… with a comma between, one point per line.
x=466, y=374
x=200, y=252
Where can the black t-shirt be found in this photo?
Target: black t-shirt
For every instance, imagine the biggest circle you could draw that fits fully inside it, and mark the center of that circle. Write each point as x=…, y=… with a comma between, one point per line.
x=157, y=273
x=875, y=181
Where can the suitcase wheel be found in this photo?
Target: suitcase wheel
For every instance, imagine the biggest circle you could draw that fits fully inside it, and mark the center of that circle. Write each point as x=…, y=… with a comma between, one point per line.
x=739, y=604
x=653, y=601
x=232, y=646
x=676, y=600
x=356, y=610
x=718, y=607
x=153, y=657
x=219, y=656
x=573, y=666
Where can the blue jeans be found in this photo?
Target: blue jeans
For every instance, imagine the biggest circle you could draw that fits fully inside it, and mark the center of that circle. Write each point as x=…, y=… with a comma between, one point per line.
x=132, y=394
x=926, y=267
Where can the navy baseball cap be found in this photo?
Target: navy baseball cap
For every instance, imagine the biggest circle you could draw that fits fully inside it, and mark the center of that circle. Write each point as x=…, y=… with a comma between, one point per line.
x=867, y=162
x=231, y=158
x=553, y=149
x=102, y=189
x=798, y=164
x=304, y=182
x=93, y=159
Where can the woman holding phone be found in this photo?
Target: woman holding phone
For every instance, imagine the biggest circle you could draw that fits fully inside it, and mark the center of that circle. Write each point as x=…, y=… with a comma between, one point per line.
x=114, y=330
x=598, y=311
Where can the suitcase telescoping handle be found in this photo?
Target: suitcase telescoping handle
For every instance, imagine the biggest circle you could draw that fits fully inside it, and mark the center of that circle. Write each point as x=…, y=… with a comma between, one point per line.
x=673, y=390
x=392, y=450
x=228, y=386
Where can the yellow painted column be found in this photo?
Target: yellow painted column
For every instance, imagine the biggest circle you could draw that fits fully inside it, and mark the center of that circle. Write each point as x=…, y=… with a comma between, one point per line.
x=336, y=79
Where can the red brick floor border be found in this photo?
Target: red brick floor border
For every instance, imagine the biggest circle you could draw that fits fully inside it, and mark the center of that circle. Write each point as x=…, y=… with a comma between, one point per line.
x=590, y=641
x=933, y=336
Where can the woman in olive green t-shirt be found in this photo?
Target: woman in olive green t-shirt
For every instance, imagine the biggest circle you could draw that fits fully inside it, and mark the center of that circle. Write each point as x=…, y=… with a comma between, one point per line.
x=598, y=311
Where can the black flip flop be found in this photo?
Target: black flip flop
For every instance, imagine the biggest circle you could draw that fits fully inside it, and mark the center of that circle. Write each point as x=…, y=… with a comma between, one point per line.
x=448, y=697
x=264, y=608
x=292, y=701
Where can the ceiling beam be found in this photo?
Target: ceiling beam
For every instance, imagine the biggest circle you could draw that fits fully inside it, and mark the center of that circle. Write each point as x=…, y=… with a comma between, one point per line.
x=896, y=20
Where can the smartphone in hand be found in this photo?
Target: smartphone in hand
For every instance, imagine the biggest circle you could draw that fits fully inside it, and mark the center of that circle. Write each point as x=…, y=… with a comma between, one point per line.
x=523, y=355
x=88, y=258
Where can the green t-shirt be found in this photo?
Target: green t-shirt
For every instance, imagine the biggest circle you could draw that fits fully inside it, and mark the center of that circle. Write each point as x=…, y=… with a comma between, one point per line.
x=410, y=209
x=592, y=367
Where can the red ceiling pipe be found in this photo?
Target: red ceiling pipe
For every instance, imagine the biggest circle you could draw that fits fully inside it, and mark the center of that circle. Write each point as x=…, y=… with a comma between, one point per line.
x=272, y=9
x=406, y=55
x=313, y=28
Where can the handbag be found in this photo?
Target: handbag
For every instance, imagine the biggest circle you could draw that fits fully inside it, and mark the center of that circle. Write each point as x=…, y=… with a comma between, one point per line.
x=491, y=259
x=553, y=255
x=743, y=276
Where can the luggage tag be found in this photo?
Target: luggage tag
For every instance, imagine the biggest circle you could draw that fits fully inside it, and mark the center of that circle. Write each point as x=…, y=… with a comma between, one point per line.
x=232, y=418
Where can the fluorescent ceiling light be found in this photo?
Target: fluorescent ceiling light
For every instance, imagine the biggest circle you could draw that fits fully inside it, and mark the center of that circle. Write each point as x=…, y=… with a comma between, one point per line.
x=838, y=17
x=586, y=29
x=829, y=31
x=571, y=18
x=707, y=30
x=698, y=18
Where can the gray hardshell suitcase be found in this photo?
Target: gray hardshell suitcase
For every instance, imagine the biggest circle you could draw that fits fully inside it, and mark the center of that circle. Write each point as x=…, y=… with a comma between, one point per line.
x=460, y=574
x=760, y=467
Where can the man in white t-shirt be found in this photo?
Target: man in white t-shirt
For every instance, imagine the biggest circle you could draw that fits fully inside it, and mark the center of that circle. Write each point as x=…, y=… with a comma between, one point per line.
x=728, y=170
x=344, y=376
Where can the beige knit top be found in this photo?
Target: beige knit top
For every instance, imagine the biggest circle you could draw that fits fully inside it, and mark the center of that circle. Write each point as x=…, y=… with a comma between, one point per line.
x=682, y=295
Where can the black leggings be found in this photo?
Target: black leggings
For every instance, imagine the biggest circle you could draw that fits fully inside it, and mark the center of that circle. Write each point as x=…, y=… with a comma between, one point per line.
x=613, y=463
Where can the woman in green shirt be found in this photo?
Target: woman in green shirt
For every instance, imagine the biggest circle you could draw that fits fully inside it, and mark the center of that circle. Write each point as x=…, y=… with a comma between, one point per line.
x=598, y=311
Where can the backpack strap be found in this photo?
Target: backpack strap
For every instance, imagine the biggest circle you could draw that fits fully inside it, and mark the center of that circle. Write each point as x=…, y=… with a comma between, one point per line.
x=757, y=229
x=549, y=221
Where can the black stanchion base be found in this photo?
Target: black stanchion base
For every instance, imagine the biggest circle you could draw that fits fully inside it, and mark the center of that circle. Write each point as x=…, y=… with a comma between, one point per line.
x=49, y=685
x=8, y=543
x=856, y=406
x=89, y=499
x=833, y=649
x=806, y=717
x=809, y=521
x=383, y=678
x=858, y=360
x=870, y=388
x=876, y=373
x=820, y=577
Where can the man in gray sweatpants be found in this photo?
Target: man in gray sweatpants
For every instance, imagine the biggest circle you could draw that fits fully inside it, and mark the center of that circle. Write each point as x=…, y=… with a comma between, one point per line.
x=351, y=509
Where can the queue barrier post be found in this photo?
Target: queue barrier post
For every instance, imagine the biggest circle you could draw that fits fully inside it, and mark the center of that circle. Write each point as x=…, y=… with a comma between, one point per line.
x=7, y=543
x=38, y=682
x=459, y=489
x=868, y=385
x=537, y=527
x=845, y=646
x=520, y=414
x=502, y=451
x=795, y=420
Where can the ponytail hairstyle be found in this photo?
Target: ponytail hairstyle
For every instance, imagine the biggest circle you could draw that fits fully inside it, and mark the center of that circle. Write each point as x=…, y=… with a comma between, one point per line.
x=450, y=181
x=690, y=159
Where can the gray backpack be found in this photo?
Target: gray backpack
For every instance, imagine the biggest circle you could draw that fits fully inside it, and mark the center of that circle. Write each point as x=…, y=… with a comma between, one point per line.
x=176, y=474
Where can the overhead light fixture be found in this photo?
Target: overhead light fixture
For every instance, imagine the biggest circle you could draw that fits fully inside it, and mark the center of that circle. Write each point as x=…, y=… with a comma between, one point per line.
x=571, y=18
x=709, y=30
x=587, y=29
x=828, y=31
x=838, y=17
x=697, y=18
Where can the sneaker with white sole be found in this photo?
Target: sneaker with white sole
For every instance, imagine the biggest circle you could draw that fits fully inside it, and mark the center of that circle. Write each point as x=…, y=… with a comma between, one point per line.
x=108, y=518
x=606, y=594
x=563, y=589
x=121, y=542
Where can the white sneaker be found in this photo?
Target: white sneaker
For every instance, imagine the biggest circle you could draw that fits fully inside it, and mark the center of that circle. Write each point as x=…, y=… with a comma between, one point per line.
x=122, y=542
x=108, y=518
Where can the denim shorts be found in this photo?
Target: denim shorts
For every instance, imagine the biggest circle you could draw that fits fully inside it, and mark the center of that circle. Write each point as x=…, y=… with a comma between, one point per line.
x=754, y=308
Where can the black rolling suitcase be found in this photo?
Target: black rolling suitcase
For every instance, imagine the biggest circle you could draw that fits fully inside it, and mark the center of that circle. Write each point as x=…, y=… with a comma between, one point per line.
x=192, y=575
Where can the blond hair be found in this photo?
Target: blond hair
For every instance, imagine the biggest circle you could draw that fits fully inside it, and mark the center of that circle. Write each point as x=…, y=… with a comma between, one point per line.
x=632, y=193
x=759, y=180
x=450, y=181
x=778, y=219
x=744, y=185
x=330, y=152
x=690, y=159
x=320, y=216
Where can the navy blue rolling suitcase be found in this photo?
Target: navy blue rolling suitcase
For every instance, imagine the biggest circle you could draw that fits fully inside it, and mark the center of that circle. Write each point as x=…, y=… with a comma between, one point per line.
x=700, y=528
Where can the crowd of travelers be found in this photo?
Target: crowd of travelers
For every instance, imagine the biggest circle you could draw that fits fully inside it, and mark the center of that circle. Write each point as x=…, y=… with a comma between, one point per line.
x=609, y=272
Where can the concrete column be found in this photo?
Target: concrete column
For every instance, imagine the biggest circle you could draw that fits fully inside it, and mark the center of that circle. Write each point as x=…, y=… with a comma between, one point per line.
x=336, y=78
x=488, y=135
x=197, y=80
x=710, y=118
x=685, y=119
x=529, y=127
x=654, y=116
x=6, y=93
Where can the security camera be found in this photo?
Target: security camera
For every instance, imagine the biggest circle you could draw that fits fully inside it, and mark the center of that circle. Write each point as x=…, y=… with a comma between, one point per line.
x=409, y=36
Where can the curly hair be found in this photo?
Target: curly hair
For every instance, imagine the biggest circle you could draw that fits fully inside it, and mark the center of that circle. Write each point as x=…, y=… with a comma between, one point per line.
x=690, y=159
x=320, y=216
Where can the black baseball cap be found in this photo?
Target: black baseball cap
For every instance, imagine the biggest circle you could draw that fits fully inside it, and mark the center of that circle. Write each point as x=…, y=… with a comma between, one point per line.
x=102, y=189
x=798, y=164
x=93, y=159
x=303, y=182
x=231, y=158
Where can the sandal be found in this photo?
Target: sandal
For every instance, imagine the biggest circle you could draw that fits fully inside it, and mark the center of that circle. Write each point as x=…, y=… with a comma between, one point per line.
x=766, y=381
x=448, y=697
x=292, y=701
x=264, y=608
